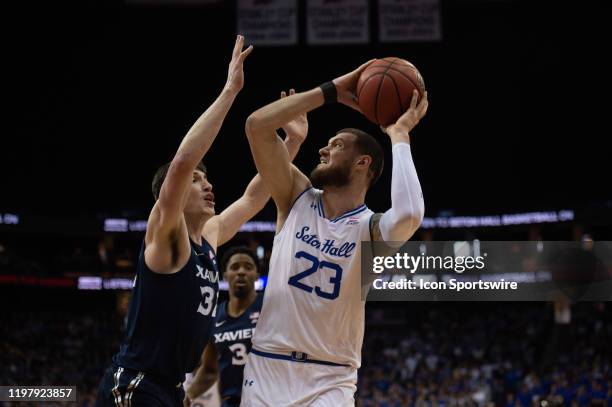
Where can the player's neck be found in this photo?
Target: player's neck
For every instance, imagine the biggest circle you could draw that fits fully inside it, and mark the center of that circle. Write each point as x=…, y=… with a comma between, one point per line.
x=195, y=225
x=237, y=305
x=337, y=201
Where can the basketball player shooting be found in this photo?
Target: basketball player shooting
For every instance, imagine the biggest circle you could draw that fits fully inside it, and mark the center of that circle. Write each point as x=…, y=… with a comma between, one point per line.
x=225, y=355
x=173, y=303
x=307, y=346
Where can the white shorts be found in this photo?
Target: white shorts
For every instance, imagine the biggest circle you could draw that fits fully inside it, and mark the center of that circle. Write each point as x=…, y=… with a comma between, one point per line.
x=283, y=383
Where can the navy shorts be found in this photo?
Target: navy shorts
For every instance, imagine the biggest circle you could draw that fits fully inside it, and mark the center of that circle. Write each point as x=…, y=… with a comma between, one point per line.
x=130, y=388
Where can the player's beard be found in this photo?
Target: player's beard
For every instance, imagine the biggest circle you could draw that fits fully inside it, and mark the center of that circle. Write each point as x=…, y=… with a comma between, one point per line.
x=337, y=176
x=241, y=292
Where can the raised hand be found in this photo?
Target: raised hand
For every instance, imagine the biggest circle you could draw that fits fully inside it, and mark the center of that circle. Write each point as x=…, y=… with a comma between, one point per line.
x=235, y=73
x=346, y=86
x=297, y=128
x=410, y=118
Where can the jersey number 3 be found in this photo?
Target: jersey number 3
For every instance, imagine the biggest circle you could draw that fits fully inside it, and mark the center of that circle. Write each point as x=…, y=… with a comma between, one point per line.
x=315, y=266
x=239, y=354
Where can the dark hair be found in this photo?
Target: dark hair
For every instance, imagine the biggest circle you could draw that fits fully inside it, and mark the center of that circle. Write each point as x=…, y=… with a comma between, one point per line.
x=368, y=145
x=238, y=250
x=160, y=176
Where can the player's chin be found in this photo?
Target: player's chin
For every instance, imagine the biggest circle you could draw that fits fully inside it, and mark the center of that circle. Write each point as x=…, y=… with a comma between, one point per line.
x=241, y=290
x=209, y=210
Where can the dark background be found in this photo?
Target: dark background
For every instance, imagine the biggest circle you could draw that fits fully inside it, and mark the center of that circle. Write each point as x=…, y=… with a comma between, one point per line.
x=101, y=93
x=98, y=94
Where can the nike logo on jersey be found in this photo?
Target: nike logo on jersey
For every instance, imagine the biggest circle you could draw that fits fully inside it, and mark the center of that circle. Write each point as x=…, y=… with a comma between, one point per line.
x=327, y=247
x=234, y=335
x=254, y=317
x=218, y=324
x=211, y=276
x=211, y=255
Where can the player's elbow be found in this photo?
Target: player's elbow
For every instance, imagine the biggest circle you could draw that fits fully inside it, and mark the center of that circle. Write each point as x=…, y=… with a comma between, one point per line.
x=209, y=379
x=398, y=226
x=409, y=221
x=253, y=126
x=415, y=217
x=184, y=162
x=407, y=225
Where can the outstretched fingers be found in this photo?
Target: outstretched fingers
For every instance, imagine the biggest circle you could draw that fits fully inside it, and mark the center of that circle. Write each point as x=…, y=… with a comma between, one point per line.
x=246, y=53
x=423, y=105
x=413, y=101
x=284, y=94
x=363, y=67
x=238, y=46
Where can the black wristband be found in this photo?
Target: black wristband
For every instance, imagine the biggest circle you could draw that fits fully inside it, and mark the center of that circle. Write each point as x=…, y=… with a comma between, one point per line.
x=330, y=94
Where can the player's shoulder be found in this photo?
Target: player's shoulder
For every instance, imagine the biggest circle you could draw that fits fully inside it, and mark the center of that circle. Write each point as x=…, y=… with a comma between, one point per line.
x=304, y=199
x=254, y=310
x=221, y=311
x=258, y=303
x=308, y=193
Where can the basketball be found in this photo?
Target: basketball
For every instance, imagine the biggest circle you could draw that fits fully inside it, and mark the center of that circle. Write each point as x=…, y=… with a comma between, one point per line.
x=384, y=89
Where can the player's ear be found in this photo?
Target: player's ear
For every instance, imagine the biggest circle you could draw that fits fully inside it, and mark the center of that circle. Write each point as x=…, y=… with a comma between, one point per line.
x=364, y=160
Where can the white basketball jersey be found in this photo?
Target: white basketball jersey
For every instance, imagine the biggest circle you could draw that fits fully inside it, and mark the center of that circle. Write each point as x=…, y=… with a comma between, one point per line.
x=313, y=300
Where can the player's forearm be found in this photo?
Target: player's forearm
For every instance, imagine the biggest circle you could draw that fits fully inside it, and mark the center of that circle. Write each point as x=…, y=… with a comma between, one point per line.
x=293, y=146
x=201, y=385
x=398, y=136
x=264, y=121
x=256, y=192
x=407, y=206
x=202, y=134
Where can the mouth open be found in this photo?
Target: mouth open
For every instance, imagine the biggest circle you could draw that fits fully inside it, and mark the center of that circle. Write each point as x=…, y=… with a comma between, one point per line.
x=210, y=200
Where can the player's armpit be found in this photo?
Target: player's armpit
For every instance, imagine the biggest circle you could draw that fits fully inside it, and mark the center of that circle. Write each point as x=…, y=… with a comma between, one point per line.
x=376, y=236
x=300, y=184
x=377, y=248
x=166, y=249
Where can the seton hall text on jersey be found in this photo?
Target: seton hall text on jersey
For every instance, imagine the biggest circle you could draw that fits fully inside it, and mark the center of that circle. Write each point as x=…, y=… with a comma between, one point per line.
x=328, y=247
x=240, y=334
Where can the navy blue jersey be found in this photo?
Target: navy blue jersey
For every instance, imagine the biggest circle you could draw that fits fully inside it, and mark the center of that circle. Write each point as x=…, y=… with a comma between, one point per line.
x=232, y=339
x=170, y=317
